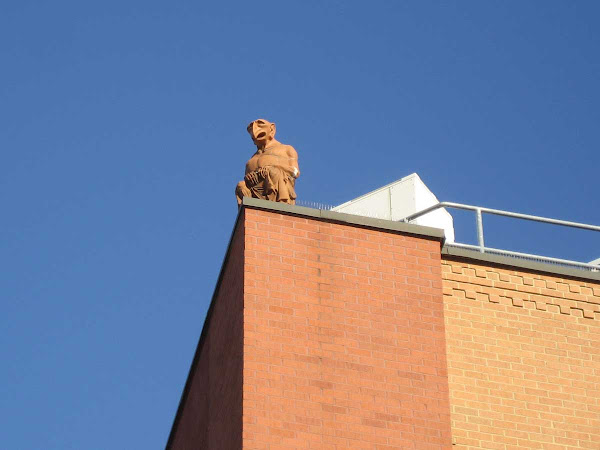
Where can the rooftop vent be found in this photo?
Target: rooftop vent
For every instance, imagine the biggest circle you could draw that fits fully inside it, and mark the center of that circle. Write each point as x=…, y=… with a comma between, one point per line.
x=398, y=200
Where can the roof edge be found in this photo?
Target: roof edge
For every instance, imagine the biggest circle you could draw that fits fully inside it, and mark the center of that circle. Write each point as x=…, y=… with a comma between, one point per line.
x=508, y=261
x=344, y=218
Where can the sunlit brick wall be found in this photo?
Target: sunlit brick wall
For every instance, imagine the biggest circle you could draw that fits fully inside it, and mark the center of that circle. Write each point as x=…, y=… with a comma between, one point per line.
x=523, y=358
x=343, y=337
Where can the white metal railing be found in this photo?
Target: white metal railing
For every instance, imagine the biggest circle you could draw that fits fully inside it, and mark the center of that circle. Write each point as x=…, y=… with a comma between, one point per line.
x=479, y=211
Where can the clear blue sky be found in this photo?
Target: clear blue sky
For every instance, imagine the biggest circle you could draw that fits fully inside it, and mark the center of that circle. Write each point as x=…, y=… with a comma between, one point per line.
x=123, y=134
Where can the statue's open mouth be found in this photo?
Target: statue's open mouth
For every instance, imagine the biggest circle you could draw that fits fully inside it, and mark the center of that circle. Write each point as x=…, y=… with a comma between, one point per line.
x=261, y=135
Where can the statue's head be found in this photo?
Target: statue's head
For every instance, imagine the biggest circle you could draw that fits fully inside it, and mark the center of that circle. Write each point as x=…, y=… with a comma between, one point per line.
x=261, y=131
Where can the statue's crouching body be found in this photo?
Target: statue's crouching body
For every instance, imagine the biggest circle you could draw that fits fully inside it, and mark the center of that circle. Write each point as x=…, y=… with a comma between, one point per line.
x=272, y=171
x=269, y=183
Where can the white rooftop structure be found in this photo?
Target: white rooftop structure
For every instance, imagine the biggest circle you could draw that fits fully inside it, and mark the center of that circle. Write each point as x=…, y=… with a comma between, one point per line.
x=398, y=200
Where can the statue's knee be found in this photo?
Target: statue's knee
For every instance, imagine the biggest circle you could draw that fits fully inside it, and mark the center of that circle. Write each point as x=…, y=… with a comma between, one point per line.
x=241, y=190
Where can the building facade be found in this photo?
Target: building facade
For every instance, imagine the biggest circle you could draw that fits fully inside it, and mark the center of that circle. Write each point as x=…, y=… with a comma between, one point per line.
x=329, y=330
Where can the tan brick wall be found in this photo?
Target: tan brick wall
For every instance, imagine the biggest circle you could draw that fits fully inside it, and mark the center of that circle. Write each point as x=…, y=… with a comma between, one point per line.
x=523, y=354
x=343, y=337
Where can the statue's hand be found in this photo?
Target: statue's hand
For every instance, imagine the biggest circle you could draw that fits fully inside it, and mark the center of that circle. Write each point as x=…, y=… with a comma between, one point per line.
x=264, y=172
x=292, y=171
x=251, y=178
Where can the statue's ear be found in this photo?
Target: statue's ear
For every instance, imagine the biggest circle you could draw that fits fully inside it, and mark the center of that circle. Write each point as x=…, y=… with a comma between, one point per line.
x=273, y=128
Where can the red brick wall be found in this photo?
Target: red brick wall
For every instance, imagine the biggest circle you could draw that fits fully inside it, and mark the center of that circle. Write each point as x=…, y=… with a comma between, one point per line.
x=334, y=336
x=523, y=358
x=210, y=415
x=344, y=341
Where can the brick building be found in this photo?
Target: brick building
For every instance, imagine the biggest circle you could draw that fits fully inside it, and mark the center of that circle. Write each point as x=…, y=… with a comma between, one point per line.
x=329, y=330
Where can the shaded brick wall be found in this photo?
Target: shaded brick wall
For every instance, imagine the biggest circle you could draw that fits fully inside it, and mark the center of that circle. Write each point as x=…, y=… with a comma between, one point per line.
x=523, y=358
x=344, y=341
x=210, y=415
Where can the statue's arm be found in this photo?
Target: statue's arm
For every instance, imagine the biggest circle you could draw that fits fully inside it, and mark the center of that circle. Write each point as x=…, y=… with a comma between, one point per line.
x=250, y=174
x=285, y=159
x=293, y=161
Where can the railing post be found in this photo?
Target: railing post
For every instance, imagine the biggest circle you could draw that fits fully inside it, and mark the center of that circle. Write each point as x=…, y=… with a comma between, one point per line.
x=480, y=231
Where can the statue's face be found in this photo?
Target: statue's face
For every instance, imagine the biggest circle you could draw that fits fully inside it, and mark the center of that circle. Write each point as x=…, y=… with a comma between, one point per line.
x=261, y=131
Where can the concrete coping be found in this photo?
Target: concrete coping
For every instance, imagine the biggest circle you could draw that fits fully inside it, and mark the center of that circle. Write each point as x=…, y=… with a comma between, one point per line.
x=343, y=218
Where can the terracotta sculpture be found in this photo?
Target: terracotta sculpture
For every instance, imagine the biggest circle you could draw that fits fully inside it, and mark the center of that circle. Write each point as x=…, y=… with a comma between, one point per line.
x=272, y=171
